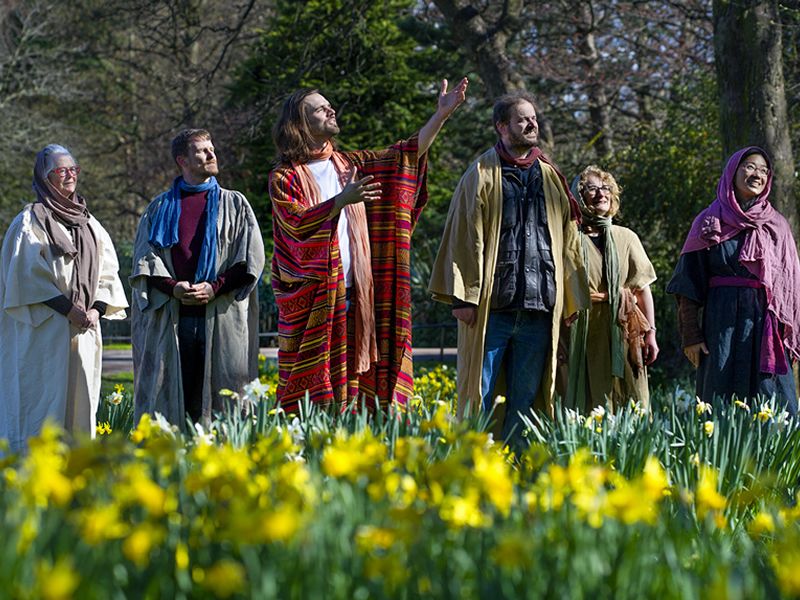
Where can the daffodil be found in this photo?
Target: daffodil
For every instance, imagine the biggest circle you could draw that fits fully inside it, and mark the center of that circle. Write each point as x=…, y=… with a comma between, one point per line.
x=702, y=408
x=707, y=497
x=58, y=581
x=762, y=523
x=225, y=578
x=765, y=414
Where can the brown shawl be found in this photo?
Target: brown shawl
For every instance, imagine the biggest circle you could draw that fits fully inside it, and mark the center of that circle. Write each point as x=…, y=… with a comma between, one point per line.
x=51, y=208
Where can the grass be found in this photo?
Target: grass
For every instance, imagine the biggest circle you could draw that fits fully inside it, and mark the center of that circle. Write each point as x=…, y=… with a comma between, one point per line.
x=116, y=346
x=109, y=380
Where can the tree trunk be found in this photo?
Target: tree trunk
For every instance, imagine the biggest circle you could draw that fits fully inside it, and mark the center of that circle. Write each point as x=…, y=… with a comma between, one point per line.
x=749, y=61
x=599, y=114
x=484, y=33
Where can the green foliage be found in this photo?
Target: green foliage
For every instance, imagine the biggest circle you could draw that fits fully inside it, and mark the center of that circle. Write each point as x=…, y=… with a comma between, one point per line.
x=668, y=174
x=408, y=504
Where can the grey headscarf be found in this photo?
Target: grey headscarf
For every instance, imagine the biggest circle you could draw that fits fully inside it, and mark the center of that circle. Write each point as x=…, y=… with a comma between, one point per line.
x=52, y=207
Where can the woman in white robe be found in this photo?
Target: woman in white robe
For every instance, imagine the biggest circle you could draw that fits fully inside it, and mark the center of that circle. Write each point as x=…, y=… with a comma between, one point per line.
x=58, y=276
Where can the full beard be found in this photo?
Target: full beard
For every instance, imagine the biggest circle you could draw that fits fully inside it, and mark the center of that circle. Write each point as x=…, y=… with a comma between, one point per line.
x=523, y=141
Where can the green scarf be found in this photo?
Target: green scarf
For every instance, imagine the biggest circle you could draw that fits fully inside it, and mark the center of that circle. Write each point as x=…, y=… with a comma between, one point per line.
x=576, y=386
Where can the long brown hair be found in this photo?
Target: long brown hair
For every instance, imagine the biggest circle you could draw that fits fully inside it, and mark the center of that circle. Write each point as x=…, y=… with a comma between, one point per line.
x=290, y=132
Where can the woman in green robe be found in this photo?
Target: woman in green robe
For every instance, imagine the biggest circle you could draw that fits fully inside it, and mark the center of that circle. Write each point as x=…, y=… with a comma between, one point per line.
x=612, y=343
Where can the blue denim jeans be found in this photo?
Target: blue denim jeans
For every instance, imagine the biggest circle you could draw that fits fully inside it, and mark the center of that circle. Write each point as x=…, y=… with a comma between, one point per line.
x=519, y=342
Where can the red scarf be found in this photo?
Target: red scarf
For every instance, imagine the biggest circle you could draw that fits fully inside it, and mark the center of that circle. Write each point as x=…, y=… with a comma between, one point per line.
x=528, y=160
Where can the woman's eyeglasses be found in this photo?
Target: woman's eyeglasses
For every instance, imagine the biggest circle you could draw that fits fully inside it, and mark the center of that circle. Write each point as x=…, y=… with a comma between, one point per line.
x=750, y=168
x=593, y=189
x=62, y=171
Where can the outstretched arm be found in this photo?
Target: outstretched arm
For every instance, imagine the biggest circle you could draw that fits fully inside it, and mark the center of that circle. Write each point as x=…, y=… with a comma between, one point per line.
x=448, y=103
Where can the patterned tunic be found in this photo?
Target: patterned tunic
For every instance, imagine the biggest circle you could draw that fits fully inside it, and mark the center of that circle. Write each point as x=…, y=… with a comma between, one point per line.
x=309, y=287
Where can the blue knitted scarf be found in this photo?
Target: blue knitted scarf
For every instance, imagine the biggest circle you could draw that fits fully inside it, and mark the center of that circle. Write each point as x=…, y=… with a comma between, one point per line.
x=164, y=227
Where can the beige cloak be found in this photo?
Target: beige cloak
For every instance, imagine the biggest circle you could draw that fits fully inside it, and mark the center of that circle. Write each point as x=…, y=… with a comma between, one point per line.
x=465, y=265
x=635, y=272
x=48, y=367
x=231, y=359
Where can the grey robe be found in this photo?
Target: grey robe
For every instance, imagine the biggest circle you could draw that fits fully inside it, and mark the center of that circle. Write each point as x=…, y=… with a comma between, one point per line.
x=231, y=319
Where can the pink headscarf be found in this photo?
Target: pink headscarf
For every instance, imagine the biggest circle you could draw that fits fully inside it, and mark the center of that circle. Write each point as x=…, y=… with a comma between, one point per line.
x=768, y=251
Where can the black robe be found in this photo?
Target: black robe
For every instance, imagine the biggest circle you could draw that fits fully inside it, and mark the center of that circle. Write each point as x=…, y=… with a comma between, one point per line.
x=733, y=322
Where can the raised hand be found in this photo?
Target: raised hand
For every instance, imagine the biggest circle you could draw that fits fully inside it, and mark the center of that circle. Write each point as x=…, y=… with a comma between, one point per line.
x=447, y=104
x=450, y=101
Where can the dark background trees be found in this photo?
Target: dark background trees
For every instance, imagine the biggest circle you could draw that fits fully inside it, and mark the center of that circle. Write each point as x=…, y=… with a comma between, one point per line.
x=658, y=92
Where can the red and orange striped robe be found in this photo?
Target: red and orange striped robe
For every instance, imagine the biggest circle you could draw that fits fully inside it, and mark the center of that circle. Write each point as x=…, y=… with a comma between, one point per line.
x=309, y=287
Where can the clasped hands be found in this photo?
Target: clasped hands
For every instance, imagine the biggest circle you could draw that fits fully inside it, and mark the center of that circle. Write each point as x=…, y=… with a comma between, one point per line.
x=193, y=294
x=83, y=319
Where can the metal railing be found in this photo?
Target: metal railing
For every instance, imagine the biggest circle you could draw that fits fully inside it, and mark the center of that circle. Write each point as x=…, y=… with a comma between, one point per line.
x=112, y=334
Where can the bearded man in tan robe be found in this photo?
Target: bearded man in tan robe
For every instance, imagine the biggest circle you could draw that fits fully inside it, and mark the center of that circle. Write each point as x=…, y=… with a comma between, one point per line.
x=510, y=265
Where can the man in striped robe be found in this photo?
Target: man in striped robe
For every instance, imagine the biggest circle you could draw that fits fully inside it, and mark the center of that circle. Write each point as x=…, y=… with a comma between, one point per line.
x=340, y=273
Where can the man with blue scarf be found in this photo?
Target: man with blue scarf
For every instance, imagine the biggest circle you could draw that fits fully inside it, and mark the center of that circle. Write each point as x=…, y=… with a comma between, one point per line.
x=197, y=259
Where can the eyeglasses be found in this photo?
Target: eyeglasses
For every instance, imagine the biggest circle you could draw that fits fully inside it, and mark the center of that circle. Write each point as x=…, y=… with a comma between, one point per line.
x=62, y=171
x=593, y=189
x=750, y=168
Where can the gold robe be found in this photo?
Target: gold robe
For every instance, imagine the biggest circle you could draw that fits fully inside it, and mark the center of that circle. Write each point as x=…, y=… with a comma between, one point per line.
x=465, y=265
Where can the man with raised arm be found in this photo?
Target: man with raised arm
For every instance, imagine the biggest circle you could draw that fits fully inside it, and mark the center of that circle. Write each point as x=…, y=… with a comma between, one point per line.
x=341, y=275
x=510, y=265
x=197, y=259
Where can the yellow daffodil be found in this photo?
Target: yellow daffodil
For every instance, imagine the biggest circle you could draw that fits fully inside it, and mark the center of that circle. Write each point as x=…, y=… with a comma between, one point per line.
x=225, y=578
x=57, y=582
x=762, y=523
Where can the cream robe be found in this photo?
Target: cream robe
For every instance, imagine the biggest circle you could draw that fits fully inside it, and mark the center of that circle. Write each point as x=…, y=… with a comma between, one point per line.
x=231, y=319
x=465, y=265
x=48, y=368
x=635, y=272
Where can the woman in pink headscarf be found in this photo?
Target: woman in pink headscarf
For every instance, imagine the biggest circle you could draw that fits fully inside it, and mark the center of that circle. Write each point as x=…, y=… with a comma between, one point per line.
x=738, y=289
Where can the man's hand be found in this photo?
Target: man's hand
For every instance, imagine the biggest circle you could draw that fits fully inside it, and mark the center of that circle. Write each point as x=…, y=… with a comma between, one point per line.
x=568, y=321
x=467, y=315
x=181, y=288
x=447, y=104
x=693, y=353
x=450, y=101
x=357, y=190
x=650, y=350
x=200, y=293
x=598, y=296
